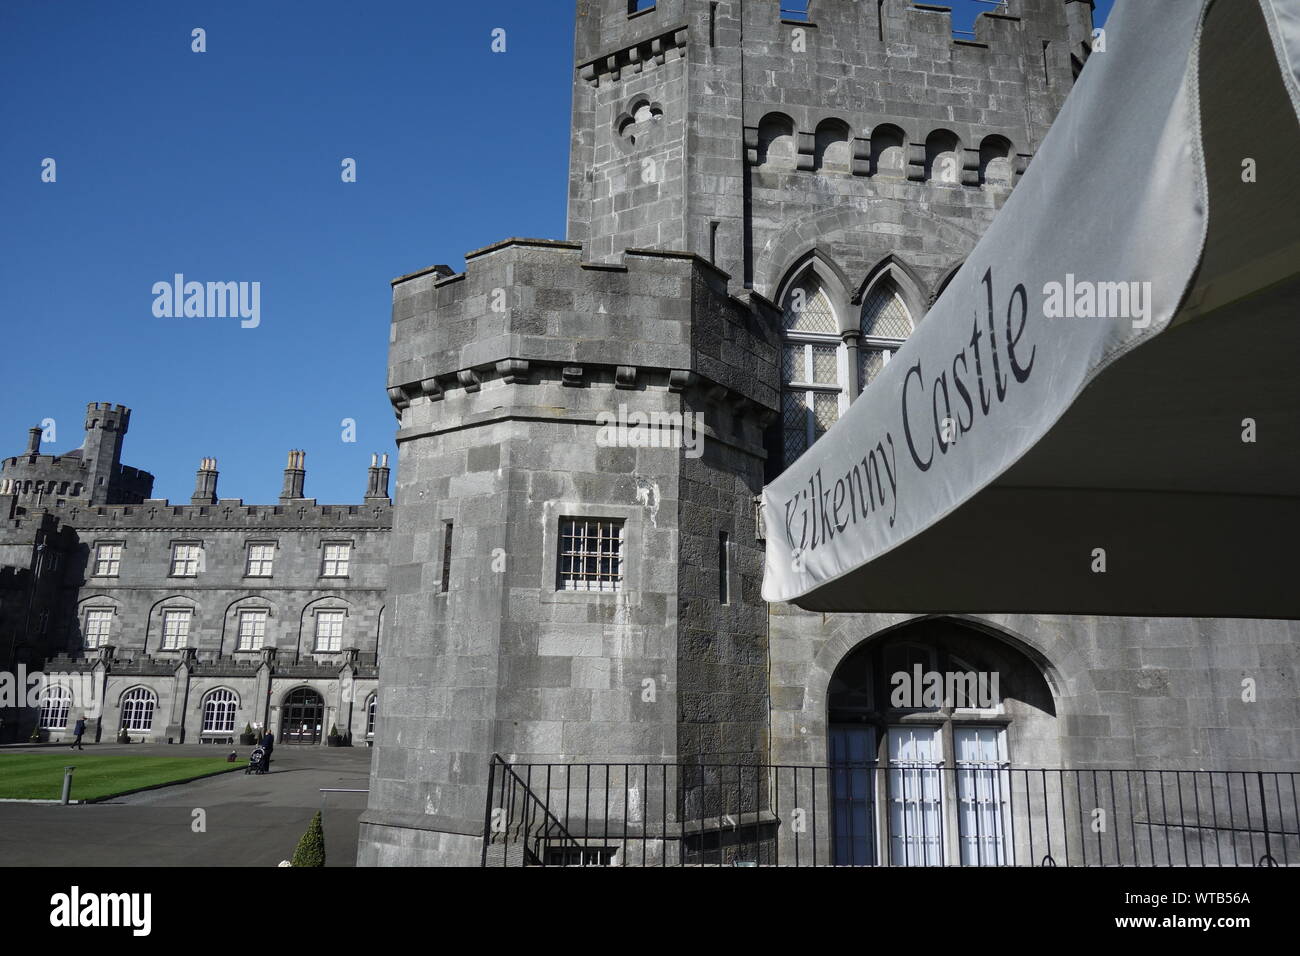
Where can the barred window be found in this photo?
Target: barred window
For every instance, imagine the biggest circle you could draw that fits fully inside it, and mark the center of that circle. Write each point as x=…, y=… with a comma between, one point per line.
x=261, y=558
x=252, y=629
x=886, y=323
x=219, y=711
x=329, y=631
x=591, y=554
x=337, y=559
x=99, y=622
x=137, y=709
x=176, y=629
x=185, y=560
x=56, y=704
x=108, y=560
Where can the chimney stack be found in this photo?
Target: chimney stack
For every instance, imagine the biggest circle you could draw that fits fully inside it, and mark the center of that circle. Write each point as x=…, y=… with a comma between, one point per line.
x=33, y=441
x=377, y=486
x=205, y=483
x=295, y=474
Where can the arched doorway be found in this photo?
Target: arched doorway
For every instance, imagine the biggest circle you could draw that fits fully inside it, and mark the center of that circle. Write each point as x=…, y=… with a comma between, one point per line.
x=924, y=725
x=301, y=717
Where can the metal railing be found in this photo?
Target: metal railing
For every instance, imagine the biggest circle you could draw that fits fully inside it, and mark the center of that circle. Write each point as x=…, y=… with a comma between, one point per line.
x=866, y=814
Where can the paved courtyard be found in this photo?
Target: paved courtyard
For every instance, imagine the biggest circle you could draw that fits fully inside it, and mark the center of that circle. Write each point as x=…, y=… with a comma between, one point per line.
x=250, y=820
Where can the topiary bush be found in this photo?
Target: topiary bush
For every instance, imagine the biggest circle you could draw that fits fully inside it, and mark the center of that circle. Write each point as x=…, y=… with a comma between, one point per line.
x=311, y=848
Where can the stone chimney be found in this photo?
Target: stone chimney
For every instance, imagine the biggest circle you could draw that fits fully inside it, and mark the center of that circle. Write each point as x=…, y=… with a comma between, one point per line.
x=377, y=486
x=33, y=441
x=295, y=474
x=205, y=483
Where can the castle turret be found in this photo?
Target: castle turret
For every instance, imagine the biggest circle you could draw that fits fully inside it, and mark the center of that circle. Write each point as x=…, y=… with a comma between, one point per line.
x=295, y=475
x=106, y=426
x=377, y=485
x=33, y=441
x=205, y=483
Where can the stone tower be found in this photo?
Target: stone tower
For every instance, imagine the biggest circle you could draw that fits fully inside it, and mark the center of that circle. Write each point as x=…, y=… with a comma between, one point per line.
x=568, y=584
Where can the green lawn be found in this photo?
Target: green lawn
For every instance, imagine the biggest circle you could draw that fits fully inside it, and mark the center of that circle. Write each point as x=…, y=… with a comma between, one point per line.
x=40, y=776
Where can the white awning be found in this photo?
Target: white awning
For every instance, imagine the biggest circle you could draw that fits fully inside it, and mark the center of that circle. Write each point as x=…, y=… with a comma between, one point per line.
x=1101, y=414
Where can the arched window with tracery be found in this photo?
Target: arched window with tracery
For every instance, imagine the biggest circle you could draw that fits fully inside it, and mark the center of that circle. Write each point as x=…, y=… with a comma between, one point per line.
x=138, y=705
x=56, y=704
x=886, y=323
x=813, y=366
x=219, y=708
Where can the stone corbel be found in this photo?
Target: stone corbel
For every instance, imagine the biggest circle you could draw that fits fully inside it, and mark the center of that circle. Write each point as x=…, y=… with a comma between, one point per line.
x=468, y=379
x=625, y=376
x=806, y=144
x=916, y=162
x=970, y=167
x=680, y=379
x=513, y=370
x=431, y=388
x=571, y=376
x=861, y=164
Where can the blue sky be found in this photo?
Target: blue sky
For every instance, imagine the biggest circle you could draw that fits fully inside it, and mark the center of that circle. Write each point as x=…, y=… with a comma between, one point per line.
x=225, y=166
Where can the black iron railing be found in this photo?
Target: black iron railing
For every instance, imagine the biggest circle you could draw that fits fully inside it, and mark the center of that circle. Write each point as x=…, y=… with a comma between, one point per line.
x=756, y=814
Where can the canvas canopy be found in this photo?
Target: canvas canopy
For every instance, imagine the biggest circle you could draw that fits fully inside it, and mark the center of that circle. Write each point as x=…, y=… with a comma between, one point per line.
x=1099, y=415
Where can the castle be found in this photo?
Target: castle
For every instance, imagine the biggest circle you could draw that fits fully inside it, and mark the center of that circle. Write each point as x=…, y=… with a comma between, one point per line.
x=762, y=205
x=186, y=623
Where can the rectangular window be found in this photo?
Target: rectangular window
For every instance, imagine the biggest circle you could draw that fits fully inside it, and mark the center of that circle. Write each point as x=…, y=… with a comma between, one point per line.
x=639, y=6
x=853, y=783
x=338, y=557
x=915, y=797
x=261, y=558
x=983, y=794
x=252, y=630
x=99, y=622
x=591, y=554
x=446, y=557
x=329, y=631
x=796, y=10
x=176, y=629
x=724, y=569
x=185, y=560
x=108, y=560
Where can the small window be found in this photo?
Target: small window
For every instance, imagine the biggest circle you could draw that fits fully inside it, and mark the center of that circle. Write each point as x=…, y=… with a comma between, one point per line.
x=252, y=629
x=372, y=709
x=446, y=557
x=261, y=559
x=99, y=624
x=108, y=560
x=176, y=628
x=329, y=631
x=639, y=6
x=724, y=569
x=591, y=554
x=796, y=10
x=338, y=558
x=185, y=560
x=56, y=704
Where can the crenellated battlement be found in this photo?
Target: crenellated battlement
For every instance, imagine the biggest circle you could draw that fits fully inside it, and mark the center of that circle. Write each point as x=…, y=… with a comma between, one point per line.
x=530, y=311
x=227, y=513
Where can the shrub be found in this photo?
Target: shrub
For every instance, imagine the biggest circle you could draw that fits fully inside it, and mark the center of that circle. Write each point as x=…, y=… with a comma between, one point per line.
x=311, y=848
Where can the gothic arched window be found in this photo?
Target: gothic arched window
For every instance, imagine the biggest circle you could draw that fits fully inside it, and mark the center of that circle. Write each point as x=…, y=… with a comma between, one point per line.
x=219, y=711
x=886, y=323
x=813, y=366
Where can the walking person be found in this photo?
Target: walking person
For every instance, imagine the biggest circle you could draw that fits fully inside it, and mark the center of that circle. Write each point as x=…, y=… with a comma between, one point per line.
x=78, y=730
x=267, y=744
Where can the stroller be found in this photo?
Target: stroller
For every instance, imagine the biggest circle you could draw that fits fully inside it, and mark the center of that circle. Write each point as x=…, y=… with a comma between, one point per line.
x=259, y=761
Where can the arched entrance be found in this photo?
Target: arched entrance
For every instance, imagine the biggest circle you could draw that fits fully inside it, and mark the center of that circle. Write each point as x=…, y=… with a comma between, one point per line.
x=301, y=717
x=924, y=723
